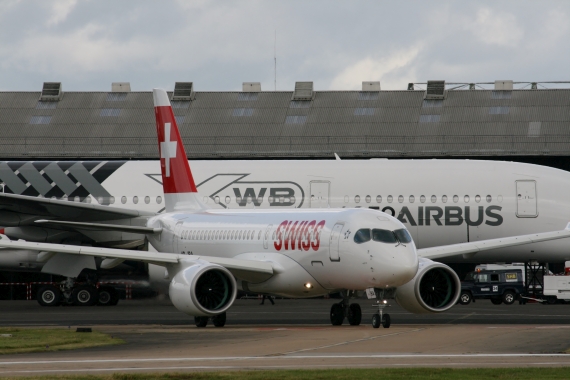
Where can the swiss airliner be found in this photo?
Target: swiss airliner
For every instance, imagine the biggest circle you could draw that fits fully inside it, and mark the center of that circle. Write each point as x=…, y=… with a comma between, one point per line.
x=209, y=253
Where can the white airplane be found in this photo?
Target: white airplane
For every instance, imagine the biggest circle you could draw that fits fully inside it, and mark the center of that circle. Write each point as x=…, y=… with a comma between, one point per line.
x=294, y=253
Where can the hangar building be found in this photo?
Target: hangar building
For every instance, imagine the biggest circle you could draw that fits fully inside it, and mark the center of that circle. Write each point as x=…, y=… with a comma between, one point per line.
x=436, y=120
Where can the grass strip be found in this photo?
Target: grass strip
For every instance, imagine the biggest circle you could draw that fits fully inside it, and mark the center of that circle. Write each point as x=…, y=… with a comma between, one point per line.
x=25, y=340
x=342, y=374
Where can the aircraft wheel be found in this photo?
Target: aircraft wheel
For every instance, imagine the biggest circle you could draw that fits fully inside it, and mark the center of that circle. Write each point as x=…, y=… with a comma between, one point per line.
x=219, y=320
x=354, y=314
x=107, y=296
x=376, y=321
x=386, y=321
x=465, y=298
x=509, y=297
x=84, y=296
x=496, y=301
x=201, y=321
x=337, y=314
x=49, y=295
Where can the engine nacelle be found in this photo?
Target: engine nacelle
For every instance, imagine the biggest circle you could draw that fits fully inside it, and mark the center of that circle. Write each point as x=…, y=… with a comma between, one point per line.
x=203, y=289
x=435, y=288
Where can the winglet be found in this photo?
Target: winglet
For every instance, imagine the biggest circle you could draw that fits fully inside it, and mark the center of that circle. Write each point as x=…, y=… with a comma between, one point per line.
x=177, y=180
x=568, y=227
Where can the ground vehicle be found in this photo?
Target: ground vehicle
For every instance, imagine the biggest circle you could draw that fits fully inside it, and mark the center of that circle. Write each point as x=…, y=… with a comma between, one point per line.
x=500, y=286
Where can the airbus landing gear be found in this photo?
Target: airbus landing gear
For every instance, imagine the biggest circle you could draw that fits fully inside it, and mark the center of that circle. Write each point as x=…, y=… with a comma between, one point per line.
x=70, y=292
x=218, y=320
x=49, y=295
x=344, y=309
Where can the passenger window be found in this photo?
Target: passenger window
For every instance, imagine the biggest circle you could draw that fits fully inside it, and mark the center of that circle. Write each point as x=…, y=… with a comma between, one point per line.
x=259, y=236
x=346, y=199
x=400, y=198
x=362, y=236
x=111, y=200
x=433, y=199
x=368, y=199
x=357, y=199
x=228, y=199
x=412, y=199
x=390, y=199
x=383, y=236
x=159, y=199
x=216, y=199
x=378, y=199
x=123, y=199
x=455, y=199
x=444, y=199
x=494, y=278
x=147, y=199
x=403, y=236
x=423, y=198
x=489, y=198
x=477, y=198
x=466, y=199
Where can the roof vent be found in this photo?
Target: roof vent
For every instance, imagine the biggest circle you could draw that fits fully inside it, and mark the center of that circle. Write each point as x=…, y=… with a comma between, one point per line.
x=435, y=89
x=251, y=86
x=51, y=92
x=504, y=85
x=303, y=91
x=371, y=86
x=120, y=87
x=183, y=91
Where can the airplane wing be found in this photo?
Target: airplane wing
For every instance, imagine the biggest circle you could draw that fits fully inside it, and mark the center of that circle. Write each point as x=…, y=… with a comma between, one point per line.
x=19, y=210
x=248, y=270
x=470, y=249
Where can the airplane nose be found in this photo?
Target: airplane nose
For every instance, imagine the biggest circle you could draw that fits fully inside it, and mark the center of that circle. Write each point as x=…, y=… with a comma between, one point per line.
x=403, y=266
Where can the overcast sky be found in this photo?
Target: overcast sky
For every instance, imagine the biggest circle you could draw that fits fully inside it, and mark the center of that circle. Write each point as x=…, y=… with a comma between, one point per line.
x=337, y=45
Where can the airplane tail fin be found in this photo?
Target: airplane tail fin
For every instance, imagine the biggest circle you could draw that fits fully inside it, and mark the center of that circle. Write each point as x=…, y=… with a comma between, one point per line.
x=180, y=191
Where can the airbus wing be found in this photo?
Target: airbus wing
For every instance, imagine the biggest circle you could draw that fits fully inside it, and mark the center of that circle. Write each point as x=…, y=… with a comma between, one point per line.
x=247, y=270
x=472, y=248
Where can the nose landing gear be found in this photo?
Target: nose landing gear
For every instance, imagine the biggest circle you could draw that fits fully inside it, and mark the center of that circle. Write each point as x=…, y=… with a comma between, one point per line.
x=381, y=318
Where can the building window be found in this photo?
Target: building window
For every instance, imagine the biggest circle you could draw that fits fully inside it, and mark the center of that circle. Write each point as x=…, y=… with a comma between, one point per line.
x=295, y=119
x=428, y=103
x=40, y=119
x=300, y=104
x=247, y=96
x=430, y=118
x=501, y=94
x=364, y=112
x=499, y=110
x=242, y=112
x=367, y=95
x=109, y=112
x=46, y=105
x=534, y=128
x=180, y=104
x=116, y=96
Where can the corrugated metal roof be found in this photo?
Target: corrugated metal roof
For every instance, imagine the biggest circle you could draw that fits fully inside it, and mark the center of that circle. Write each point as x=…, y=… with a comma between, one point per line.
x=391, y=124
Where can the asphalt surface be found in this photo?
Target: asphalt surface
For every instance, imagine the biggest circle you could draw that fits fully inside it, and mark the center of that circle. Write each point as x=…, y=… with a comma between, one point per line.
x=293, y=334
x=285, y=312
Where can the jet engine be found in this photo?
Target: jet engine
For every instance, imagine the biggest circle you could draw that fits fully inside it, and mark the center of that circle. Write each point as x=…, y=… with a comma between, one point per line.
x=435, y=288
x=203, y=290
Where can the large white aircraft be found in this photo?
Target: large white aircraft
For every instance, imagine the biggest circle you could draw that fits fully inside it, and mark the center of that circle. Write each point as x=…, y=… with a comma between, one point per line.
x=209, y=253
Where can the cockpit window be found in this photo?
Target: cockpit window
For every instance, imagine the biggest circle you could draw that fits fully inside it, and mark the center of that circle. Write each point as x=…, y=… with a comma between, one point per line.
x=362, y=236
x=383, y=236
x=403, y=236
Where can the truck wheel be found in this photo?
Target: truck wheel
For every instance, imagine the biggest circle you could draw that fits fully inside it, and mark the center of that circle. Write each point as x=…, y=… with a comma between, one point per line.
x=84, y=296
x=465, y=298
x=496, y=301
x=509, y=297
x=49, y=295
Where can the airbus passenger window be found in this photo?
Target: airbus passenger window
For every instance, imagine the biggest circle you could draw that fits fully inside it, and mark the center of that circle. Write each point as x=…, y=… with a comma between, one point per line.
x=383, y=236
x=228, y=200
x=403, y=236
x=466, y=199
x=357, y=199
x=147, y=199
x=159, y=199
x=455, y=199
x=362, y=236
x=368, y=199
x=378, y=199
x=216, y=199
x=238, y=199
x=433, y=199
x=259, y=236
x=477, y=198
x=412, y=199
x=390, y=199
x=135, y=199
x=489, y=199
x=123, y=199
x=346, y=199
x=423, y=198
x=99, y=200
x=111, y=200
x=292, y=199
x=444, y=199
x=401, y=198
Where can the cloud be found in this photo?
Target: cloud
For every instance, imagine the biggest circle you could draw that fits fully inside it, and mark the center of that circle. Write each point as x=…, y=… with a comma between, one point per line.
x=373, y=69
x=496, y=28
x=60, y=9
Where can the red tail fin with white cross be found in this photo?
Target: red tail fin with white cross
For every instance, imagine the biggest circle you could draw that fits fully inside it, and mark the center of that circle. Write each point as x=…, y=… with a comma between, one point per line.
x=180, y=191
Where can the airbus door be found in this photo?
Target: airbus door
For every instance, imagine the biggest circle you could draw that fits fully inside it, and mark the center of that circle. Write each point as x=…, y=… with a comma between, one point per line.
x=320, y=193
x=334, y=240
x=526, y=199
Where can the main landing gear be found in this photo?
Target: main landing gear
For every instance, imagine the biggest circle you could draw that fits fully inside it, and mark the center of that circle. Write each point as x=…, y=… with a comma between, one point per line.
x=344, y=309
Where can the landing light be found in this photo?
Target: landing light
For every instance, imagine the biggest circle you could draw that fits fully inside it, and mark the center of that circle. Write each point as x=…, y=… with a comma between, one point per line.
x=308, y=285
